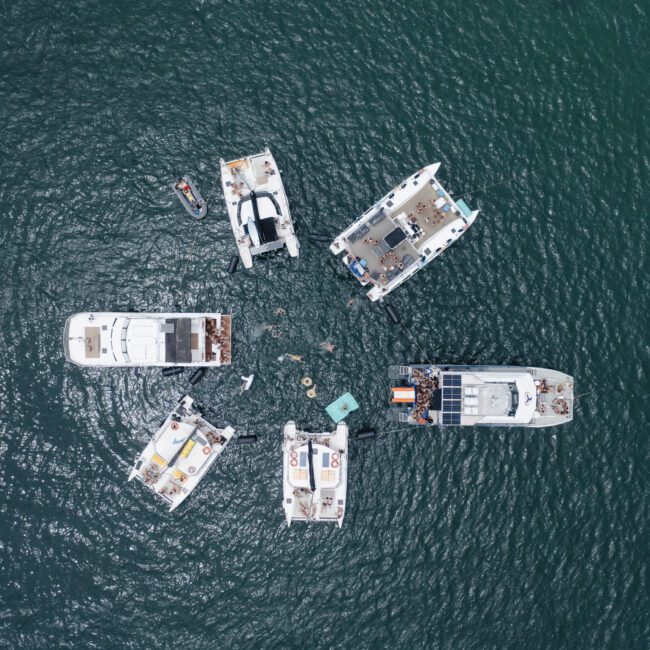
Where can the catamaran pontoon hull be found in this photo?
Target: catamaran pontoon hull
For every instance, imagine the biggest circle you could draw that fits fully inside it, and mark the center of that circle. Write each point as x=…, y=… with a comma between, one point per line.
x=257, y=206
x=315, y=474
x=404, y=231
x=180, y=453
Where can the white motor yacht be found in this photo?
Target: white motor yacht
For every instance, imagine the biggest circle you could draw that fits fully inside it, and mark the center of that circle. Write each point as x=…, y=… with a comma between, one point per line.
x=180, y=453
x=406, y=229
x=315, y=474
x=481, y=395
x=257, y=206
x=132, y=339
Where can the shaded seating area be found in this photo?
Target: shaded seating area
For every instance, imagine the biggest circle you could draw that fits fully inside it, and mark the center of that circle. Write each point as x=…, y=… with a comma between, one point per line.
x=178, y=340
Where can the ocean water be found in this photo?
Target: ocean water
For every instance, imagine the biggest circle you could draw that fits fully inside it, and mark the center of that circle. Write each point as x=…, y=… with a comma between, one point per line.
x=455, y=538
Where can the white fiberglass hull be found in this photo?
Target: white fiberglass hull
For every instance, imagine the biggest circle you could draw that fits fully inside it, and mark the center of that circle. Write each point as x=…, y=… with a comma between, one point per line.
x=404, y=231
x=465, y=395
x=257, y=206
x=122, y=339
x=180, y=454
x=315, y=486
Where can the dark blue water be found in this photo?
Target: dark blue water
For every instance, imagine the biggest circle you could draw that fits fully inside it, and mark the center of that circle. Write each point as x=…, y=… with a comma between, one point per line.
x=456, y=538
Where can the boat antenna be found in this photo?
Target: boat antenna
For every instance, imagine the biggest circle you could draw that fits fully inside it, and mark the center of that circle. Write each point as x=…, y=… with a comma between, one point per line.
x=508, y=180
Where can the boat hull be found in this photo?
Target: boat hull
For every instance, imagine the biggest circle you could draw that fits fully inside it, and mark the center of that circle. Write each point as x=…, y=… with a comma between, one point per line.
x=400, y=234
x=480, y=395
x=125, y=339
x=196, y=213
x=257, y=179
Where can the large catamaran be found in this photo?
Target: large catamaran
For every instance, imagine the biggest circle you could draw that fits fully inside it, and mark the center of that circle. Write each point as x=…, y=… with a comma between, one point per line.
x=132, y=339
x=406, y=229
x=481, y=395
x=315, y=474
x=257, y=206
x=181, y=452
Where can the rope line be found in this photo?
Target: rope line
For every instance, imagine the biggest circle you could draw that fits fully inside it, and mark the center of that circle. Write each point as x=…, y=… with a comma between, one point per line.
x=508, y=180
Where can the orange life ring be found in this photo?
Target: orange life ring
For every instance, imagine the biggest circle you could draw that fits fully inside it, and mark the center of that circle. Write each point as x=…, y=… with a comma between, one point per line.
x=174, y=425
x=335, y=463
x=335, y=456
x=294, y=454
x=293, y=462
x=207, y=450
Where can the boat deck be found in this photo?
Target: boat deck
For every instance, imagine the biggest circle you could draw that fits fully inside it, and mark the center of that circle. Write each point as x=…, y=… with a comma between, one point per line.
x=430, y=210
x=381, y=260
x=387, y=244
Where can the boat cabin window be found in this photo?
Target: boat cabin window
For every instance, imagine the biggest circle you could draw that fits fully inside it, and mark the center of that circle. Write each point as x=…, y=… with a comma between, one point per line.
x=326, y=459
x=514, y=400
x=303, y=459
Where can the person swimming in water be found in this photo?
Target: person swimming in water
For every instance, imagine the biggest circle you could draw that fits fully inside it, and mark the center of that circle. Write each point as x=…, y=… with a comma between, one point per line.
x=327, y=346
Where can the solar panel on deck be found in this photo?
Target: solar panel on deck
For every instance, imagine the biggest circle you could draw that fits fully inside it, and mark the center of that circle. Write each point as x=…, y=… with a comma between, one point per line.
x=450, y=418
x=450, y=380
x=451, y=406
x=451, y=393
x=395, y=237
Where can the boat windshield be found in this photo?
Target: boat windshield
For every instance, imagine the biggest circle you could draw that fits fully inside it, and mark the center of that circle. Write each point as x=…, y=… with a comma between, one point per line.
x=514, y=399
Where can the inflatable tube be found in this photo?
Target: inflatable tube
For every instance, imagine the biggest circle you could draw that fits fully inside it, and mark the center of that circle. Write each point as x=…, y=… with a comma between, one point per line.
x=317, y=236
x=197, y=375
x=363, y=435
x=234, y=261
x=170, y=372
x=247, y=440
x=392, y=314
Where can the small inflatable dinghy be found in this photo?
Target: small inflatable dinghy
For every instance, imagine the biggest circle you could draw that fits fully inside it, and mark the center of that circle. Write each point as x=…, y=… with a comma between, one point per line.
x=190, y=197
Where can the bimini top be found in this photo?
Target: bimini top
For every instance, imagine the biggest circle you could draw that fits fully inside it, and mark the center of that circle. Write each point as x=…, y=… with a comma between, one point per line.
x=410, y=226
x=257, y=206
x=482, y=395
x=131, y=339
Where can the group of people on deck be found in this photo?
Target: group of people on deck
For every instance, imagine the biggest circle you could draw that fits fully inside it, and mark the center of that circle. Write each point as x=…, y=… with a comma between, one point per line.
x=218, y=337
x=187, y=193
x=424, y=387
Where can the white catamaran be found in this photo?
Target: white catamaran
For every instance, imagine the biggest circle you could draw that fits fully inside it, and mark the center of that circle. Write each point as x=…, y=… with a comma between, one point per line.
x=132, y=339
x=402, y=233
x=481, y=395
x=257, y=206
x=315, y=474
x=180, y=453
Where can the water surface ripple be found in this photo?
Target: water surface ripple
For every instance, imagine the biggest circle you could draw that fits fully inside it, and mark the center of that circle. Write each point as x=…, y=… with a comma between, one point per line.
x=462, y=538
